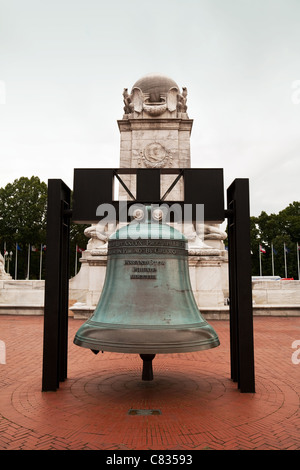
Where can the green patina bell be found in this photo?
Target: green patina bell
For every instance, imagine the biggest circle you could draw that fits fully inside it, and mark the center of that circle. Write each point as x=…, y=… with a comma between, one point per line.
x=147, y=305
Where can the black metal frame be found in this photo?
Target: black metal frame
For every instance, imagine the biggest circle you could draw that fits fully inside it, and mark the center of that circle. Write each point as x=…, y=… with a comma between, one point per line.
x=240, y=286
x=55, y=346
x=92, y=186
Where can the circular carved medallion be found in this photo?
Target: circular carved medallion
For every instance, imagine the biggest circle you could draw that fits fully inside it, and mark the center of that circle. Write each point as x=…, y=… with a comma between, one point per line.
x=155, y=155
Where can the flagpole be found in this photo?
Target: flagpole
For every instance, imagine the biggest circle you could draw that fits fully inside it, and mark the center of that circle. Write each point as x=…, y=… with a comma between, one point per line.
x=7, y=266
x=298, y=248
x=41, y=260
x=4, y=256
x=272, y=259
x=76, y=261
x=260, y=270
x=16, y=263
x=28, y=262
x=285, y=260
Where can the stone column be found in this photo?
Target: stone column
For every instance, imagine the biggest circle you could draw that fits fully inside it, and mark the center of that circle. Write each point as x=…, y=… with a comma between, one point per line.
x=155, y=132
x=155, y=143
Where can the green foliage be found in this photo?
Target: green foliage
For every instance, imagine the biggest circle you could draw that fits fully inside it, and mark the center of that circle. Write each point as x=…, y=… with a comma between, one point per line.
x=23, y=221
x=276, y=230
x=23, y=206
x=23, y=211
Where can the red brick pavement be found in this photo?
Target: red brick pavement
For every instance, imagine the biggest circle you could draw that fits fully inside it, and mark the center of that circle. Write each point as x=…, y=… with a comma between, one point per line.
x=201, y=408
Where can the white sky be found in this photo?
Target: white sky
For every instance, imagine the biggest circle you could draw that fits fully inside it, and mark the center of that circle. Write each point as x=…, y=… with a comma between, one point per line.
x=64, y=64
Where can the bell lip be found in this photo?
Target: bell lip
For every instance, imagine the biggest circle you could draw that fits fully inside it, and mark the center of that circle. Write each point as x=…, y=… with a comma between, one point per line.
x=140, y=349
x=172, y=326
x=183, y=338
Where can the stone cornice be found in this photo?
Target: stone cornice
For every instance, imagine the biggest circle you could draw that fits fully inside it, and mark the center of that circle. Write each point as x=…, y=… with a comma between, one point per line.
x=144, y=124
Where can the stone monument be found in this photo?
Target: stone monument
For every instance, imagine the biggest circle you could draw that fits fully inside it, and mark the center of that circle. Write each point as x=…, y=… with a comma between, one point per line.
x=155, y=132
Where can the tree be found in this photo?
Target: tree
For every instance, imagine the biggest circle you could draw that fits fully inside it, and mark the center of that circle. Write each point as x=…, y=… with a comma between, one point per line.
x=279, y=235
x=23, y=206
x=23, y=221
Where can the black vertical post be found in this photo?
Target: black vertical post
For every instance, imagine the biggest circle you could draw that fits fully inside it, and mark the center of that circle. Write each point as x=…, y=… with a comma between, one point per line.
x=240, y=286
x=232, y=292
x=56, y=286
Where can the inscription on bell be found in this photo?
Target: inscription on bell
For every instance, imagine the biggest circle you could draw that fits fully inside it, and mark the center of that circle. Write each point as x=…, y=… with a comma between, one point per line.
x=147, y=247
x=141, y=276
x=144, y=250
x=147, y=242
x=143, y=269
x=144, y=262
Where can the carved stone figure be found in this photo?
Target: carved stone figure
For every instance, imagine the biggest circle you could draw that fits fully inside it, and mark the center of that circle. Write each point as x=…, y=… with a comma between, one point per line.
x=213, y=232
x=2, y=270
x=137, y=100
x=172, y=99
x=127, y=101
x=98, y=235
x=182, y=99
x=3, y=274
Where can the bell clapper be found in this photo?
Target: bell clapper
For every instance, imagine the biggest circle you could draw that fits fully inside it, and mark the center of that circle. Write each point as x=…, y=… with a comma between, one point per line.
x=147, y=373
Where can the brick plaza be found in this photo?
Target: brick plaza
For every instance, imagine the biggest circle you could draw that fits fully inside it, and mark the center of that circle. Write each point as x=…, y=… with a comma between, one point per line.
x=191, y=404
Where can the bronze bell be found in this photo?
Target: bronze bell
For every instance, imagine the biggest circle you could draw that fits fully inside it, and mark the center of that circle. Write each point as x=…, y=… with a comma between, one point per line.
x=147, y=305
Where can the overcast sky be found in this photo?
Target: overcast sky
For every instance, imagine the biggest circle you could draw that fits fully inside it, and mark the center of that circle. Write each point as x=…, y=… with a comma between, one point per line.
x=64, y=64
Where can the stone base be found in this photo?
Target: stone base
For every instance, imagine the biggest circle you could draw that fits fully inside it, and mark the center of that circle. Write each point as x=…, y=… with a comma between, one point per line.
x=287, y=310
x=208, y=276
x=209, y=279
x=276, y=292
x=22, y=297
x=84, y=312
x=6, y=309
x=87, y=285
